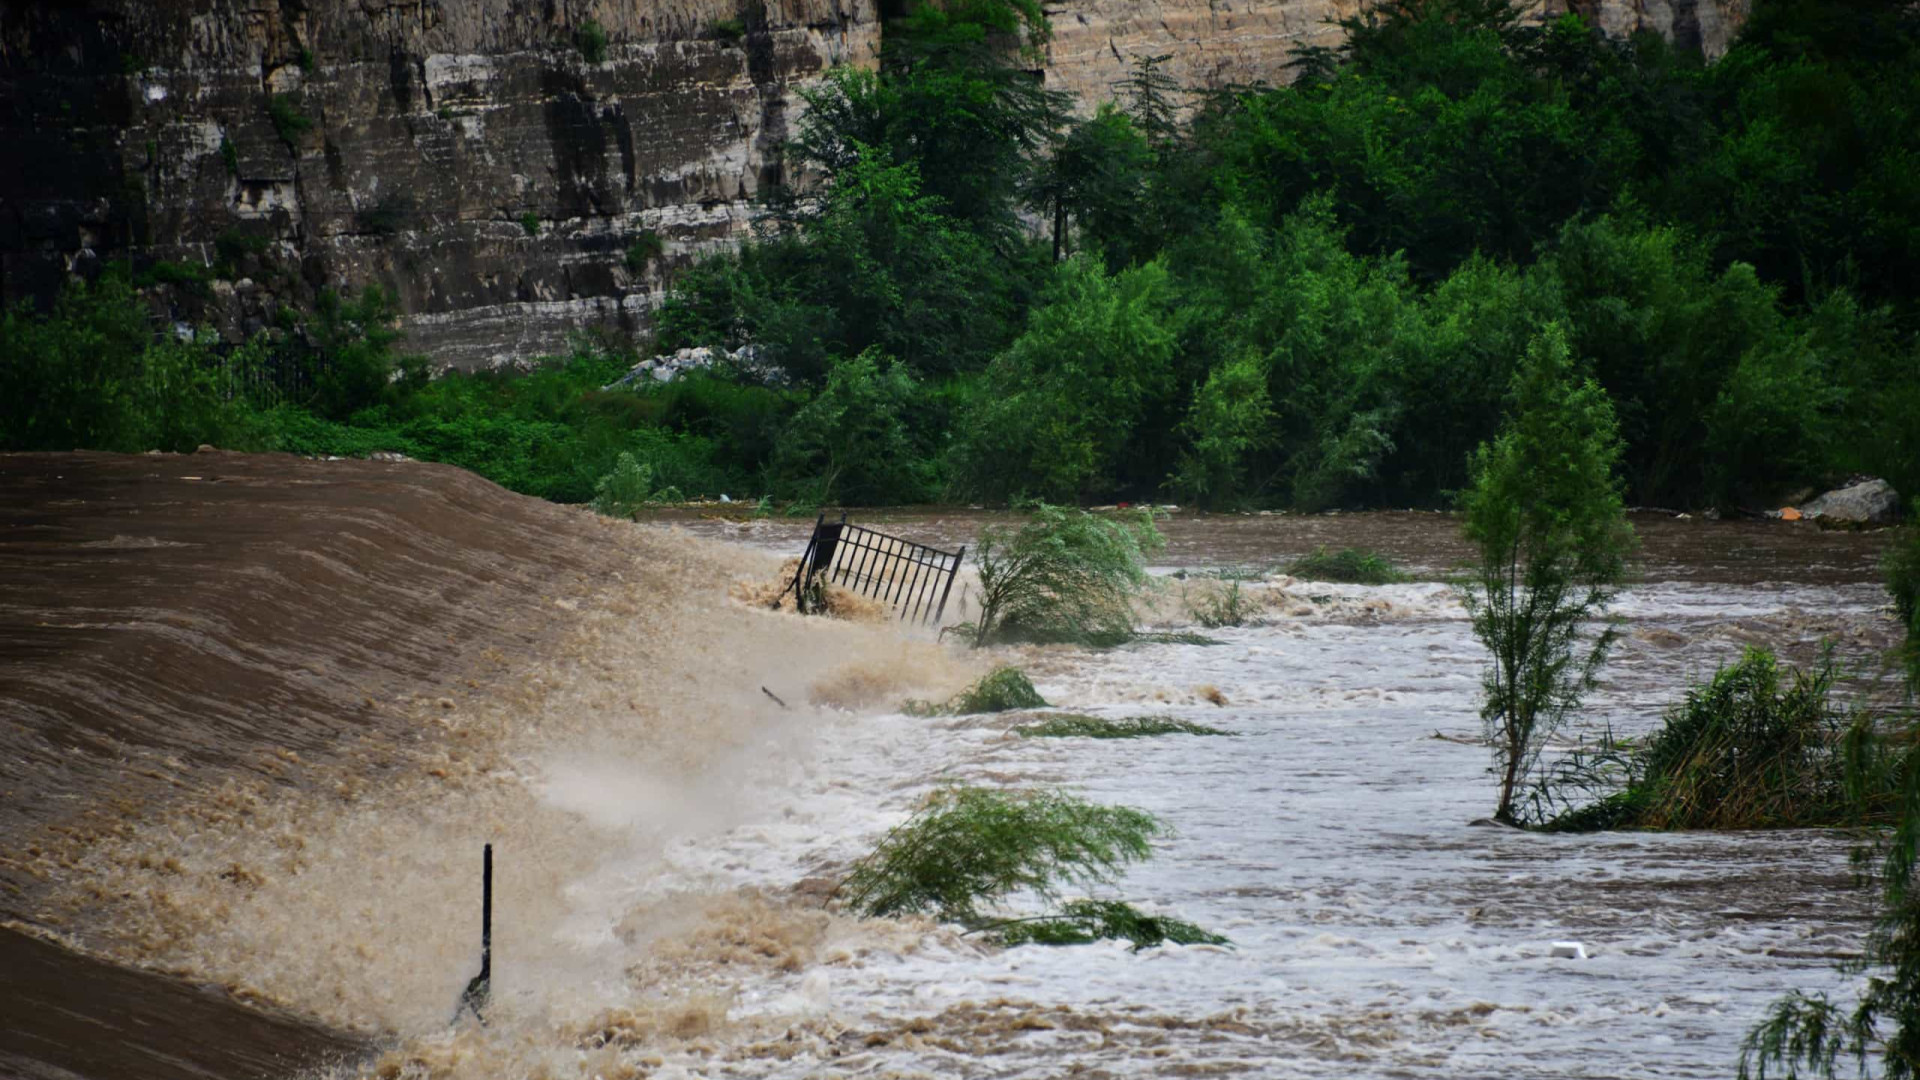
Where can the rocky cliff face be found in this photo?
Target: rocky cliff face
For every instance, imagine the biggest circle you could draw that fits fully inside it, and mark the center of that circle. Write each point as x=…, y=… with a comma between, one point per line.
x=485, y=159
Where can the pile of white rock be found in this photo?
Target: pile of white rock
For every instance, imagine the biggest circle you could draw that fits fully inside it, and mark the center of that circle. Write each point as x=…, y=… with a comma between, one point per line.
x=669, y=366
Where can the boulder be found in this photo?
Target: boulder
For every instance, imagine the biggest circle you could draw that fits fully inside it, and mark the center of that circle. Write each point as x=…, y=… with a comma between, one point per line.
x=1869, y=502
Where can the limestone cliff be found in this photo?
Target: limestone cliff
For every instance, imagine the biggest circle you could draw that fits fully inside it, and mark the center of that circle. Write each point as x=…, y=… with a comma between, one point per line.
x=466, y=152
x=483, y=157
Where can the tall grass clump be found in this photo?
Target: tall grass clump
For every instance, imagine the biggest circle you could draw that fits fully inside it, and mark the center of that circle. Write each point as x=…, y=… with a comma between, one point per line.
x=1066, y=575
x=1545, y=515
x=1759, y=746
x=1221, y=607
x=1003, y=690
x=973, y=846
x=1354, y=566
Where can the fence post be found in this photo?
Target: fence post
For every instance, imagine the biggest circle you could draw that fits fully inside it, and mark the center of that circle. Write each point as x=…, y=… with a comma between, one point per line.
x=958, y=558
x=481, y=987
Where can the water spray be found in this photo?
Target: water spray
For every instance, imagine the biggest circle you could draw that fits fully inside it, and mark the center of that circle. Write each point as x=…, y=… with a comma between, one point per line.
x=475, y=996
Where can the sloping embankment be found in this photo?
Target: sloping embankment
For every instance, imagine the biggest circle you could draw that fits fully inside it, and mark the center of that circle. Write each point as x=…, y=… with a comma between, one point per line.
x=168, y=623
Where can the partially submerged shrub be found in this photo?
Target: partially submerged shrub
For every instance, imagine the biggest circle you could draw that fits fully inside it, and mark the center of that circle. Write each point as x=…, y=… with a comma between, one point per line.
x=1067, y=575
x=974, y=846
x=1082, y=921
x=1354, y=566
x=630, y=486
x=1225, y=607
x=1004, y=689
x=1079, y=726
x=1759, y=746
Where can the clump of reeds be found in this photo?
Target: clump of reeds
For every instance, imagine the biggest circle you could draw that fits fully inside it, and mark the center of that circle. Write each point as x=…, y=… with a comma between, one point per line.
x=1080, y=726
x=1080, y=922
x=1223, y=607
x=1004, y=689
x=1759, y=746
x=1065, y=576
x=972, y=846
x=1353, y=566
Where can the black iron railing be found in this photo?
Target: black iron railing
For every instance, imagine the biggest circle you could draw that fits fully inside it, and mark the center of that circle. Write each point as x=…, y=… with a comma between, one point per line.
x=913, y=579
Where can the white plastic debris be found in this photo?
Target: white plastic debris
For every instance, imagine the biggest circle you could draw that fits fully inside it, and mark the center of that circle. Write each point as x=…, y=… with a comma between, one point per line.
x=1569, y=950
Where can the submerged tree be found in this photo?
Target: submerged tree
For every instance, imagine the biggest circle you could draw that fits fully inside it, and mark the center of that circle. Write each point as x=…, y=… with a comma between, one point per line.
x=1545, y=514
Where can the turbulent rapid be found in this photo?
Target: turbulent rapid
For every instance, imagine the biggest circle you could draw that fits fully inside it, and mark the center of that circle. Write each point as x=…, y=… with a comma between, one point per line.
x=667, y=836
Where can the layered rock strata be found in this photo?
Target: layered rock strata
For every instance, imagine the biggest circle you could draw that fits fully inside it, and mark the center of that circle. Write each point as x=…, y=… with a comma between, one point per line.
x=512, y=180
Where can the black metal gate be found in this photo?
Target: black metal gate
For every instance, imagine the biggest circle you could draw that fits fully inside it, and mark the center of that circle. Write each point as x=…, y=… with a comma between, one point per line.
x=911, y=578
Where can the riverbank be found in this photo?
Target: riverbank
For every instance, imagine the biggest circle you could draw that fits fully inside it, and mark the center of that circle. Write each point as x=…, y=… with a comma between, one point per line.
x=665, y=833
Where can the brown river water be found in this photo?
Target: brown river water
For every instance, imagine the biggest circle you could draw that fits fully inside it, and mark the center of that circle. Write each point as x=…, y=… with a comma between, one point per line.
x=665, y=835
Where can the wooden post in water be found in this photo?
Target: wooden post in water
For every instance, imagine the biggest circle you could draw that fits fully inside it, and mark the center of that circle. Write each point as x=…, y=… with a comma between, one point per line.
x=481, y=987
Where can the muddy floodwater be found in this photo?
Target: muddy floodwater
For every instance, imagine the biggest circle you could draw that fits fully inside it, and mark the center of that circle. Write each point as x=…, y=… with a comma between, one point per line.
x=1376, y=931
x=587, y=696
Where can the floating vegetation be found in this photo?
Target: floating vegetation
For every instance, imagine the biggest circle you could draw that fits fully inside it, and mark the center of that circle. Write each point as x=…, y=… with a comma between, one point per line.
x=1081, y=922
x=1081, y=726
x=973, y=846
x=1004, y=689
x=1353, y=566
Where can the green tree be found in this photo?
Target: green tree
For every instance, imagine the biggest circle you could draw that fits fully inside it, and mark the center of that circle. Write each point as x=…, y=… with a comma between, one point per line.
x=849, y=444
x=1062, y=403
x=1545, y=516
x=1229, y=419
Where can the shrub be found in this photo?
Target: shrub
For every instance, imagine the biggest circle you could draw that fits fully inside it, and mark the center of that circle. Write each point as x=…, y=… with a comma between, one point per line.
x=1067, y=575
x=353, y=338
x=1077, y=726
x=1229, y=419
x=288, y=120
x=629, y=487
x=1004, y=689
x=728, y=30
x=530, y=221
x=232, y=245
x=230, y=155
x=592, y=40
x=646, y=247
x=1354, y=566
x=972, y=846
x=1082, y=921
x=1755, y=748
x=1545, y=514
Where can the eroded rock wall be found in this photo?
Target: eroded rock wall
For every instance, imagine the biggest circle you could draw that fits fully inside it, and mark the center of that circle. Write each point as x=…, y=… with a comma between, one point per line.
x=466, y=153
x=471, y=156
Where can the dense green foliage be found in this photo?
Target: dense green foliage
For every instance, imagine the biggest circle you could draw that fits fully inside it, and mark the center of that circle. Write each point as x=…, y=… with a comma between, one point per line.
x=1308, y=295
x=1543, y=513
